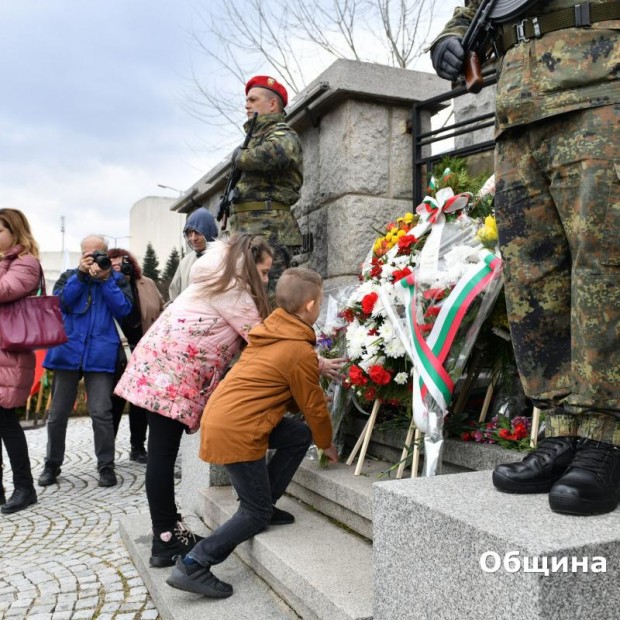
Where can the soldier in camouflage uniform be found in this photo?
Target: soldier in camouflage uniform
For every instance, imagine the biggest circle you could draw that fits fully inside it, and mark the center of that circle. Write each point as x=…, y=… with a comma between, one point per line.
x=558, y=210
x=271, y=175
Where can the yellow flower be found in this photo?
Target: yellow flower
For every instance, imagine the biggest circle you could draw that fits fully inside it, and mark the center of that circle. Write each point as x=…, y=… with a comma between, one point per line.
x=488, y=233
x=400, y=233
x=408, y=217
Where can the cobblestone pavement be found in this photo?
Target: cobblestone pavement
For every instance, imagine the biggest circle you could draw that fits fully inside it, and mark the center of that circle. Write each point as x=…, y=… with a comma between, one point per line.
x=63, y=558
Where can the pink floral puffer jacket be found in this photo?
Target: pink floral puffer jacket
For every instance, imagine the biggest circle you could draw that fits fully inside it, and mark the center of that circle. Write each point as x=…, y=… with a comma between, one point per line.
x=180, y=360
x=19, y=277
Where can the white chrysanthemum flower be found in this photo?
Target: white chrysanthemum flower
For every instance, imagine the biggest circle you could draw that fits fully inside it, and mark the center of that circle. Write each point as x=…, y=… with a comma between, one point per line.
x=394, y=348
x=401, y=378
x=356, y=337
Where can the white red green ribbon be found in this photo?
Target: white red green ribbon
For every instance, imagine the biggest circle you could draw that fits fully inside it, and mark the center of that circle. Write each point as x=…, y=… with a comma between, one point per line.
x=429, y=354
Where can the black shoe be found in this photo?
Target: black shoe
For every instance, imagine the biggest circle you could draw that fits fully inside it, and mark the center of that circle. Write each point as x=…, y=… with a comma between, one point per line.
x=538, y=471
x=169, y=545
x=591, y=485
x=281, y=517
x=138, y=455
x=22, y=498
x=199, y=580
x=49, y=474
x=107, y=477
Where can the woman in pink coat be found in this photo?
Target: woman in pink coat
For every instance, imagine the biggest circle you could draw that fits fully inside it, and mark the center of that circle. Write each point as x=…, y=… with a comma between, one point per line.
x=20, y=273
x=180, y=360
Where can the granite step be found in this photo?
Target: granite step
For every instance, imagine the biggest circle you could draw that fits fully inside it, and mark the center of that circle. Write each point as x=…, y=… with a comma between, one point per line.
x=253, y=599
x=462, y=549
x=387, y=445
x=335, y=492
x=319, y=568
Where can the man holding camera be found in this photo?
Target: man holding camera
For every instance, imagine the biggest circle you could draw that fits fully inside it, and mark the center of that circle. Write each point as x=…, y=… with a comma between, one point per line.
x=91, y=297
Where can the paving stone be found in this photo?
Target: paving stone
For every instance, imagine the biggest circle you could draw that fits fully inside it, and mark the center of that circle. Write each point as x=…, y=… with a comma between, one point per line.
x=69, y=541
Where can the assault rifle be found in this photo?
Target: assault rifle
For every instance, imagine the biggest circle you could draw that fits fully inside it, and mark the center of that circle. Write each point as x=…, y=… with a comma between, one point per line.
x=476, y=44
x=234, y=175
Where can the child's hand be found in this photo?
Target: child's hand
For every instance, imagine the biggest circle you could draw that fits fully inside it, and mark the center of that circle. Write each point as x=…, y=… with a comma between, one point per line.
x=331, y=453
x=330, y=367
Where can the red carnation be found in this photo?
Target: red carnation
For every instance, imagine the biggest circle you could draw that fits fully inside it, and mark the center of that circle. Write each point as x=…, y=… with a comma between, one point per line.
x=375, y=270
x=434, y=293
x=356, y=375
x=368, y=302
x=520, y=431
x=405, y=242
x=503, y=433
x=379, y=375
x=466, y=436
x=370, y=393
x=399, y=274
x=348, y=315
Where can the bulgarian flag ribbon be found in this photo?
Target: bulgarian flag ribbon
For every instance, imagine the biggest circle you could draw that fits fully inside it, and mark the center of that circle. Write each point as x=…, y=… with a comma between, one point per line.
x=429, y=354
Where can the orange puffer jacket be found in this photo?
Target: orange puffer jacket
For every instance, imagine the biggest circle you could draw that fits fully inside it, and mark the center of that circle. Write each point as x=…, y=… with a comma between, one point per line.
x=277, y=372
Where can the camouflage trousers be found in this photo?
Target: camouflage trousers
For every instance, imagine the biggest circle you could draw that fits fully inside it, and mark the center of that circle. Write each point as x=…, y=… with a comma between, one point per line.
x=280, y=230
x=558, y=214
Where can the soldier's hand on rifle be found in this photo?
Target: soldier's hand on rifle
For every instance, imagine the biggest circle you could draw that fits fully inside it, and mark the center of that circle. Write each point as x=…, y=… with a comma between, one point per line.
x=236, y=154
x=447, y=56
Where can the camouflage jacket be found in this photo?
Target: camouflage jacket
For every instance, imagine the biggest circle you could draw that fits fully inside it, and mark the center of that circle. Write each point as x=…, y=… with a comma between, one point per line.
x=562, y=71
x=271, y=166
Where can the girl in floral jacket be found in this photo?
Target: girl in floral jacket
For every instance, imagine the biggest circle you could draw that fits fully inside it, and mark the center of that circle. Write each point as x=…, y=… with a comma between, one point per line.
x=181, y=359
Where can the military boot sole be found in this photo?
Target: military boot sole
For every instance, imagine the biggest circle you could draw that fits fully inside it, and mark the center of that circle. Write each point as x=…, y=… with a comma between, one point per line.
x=507, y=485
x=564, y=503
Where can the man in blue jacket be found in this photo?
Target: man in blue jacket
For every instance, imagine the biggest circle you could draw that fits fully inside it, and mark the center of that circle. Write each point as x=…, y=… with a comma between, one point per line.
x=91, y=297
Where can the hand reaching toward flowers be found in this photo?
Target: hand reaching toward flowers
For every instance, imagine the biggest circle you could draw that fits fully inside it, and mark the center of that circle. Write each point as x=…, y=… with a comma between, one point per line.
x=331, y=367
x=331, y=453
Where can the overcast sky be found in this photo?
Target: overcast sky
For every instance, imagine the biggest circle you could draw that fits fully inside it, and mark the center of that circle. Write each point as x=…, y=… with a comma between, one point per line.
x=91, y=114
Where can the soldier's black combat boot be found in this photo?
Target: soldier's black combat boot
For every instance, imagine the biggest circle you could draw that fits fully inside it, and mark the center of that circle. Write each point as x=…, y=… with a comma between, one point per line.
x=591, y=484
x=538, y=471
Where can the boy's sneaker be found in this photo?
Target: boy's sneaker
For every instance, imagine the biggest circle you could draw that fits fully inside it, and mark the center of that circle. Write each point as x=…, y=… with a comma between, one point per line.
x=169, y=545
x=49, y=475
x=198, y=579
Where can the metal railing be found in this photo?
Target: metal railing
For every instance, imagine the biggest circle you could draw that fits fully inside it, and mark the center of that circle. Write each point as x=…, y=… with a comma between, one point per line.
x=422, y=164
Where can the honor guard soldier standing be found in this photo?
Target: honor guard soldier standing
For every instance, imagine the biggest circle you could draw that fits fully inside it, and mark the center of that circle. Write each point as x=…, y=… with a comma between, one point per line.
x=557, y=167
x=271, y=175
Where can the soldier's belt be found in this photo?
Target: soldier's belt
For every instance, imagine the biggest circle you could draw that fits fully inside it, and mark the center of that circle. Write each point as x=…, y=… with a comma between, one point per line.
x=578, y=16
x=267, y=205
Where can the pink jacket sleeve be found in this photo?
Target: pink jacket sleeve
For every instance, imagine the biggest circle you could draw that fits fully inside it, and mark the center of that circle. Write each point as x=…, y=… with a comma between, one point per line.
x=238, y=309
x=21, y=278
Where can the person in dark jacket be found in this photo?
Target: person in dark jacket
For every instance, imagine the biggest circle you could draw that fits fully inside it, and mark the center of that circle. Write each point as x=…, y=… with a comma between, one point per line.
x=199, y=229
x=92, y=297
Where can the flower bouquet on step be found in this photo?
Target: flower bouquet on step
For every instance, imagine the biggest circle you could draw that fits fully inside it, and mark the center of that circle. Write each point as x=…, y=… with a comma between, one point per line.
x=330, y=343
x=438, y=309
x=379, y=367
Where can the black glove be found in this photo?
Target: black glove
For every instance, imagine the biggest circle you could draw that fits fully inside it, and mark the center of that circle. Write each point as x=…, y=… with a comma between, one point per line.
x=235, y=155
x=447, y=56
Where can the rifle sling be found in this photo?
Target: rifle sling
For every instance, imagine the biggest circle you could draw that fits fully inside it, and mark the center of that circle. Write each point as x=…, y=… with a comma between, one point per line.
x=267, y=205
x=534, y=27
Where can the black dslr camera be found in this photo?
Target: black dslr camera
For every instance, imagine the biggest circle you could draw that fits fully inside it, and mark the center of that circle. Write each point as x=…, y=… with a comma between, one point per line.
x=126, y=267
x=102, y=259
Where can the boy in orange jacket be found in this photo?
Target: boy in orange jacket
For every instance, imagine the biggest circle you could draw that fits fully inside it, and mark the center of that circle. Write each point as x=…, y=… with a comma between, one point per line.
x=276, y=373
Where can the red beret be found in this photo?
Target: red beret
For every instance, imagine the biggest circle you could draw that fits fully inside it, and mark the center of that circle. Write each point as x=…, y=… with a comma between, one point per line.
x=264, y=81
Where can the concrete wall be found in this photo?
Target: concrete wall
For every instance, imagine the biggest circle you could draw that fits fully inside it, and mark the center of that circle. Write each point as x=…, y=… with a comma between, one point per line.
x=152, y=221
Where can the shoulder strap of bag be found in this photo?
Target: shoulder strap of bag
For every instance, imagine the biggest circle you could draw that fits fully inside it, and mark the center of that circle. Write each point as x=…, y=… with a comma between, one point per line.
x=124, y=341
